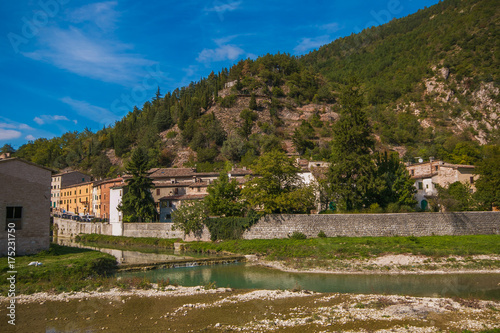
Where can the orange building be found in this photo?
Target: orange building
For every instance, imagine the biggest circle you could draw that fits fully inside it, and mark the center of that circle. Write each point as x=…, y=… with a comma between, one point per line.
x=100, y=196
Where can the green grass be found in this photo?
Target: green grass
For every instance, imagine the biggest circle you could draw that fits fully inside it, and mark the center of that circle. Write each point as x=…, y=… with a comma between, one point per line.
x=63, y=269
x=139, y=242
x=354, y=247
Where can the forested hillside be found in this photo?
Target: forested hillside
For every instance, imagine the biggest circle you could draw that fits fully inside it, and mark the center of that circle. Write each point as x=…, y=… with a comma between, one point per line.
x=430, y=84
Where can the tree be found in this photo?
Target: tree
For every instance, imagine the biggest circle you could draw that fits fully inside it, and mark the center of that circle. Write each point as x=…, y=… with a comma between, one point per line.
x=248, y=117
x=191, y=217
x=252, y=105
x=302, y=137
x=398, y=187
x=138, y=204
x=351, y=178
x=488, y=184
x=224, y=197
x=456, y=197
x=7, y=149
x=101, y=166
x=278, y=188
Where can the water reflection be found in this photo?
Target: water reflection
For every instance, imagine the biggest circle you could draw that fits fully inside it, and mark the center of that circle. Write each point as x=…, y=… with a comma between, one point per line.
x=240, y=276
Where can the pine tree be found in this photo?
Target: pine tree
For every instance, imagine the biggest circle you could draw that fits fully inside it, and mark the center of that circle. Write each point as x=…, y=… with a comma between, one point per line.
x=138, y=204
x=351, y=178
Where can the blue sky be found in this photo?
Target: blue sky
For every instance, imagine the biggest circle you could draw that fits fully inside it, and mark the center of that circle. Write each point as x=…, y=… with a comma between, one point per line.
x=66, y=64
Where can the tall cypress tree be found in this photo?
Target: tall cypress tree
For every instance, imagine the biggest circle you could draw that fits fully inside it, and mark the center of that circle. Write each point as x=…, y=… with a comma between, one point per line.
x=138, y=204
x=351, y=178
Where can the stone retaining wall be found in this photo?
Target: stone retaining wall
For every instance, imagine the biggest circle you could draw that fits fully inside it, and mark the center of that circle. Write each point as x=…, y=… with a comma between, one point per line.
x=361, y=225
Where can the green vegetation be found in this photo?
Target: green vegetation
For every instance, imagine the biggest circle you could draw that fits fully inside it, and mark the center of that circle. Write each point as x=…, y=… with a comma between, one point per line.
x=63, y=269
x=138, y=204
x=137, y=242
x=346, y=247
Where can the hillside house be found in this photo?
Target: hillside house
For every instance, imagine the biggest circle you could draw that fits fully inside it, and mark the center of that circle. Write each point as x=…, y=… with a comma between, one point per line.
x=24, y=206
x=427, y=175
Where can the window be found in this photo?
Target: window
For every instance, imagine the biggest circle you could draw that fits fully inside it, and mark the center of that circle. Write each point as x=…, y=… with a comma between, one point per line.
x=157, y=191
x=420, y=185
x=426, y=185
x=413, y=172
x=168, y=216
x=472, y=180
x=14, y=217
x=436, y=168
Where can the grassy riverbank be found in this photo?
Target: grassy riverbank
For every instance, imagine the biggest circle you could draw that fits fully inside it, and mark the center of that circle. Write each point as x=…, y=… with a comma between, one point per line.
x=63, y=269
x=357, y=247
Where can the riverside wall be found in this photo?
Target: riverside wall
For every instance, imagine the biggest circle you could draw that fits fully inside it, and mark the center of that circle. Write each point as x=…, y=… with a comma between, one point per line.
x=69, y=229
x=366, y=225
x=282, y=226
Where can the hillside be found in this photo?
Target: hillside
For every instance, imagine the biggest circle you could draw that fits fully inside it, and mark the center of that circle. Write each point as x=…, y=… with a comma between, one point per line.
x=430, y=82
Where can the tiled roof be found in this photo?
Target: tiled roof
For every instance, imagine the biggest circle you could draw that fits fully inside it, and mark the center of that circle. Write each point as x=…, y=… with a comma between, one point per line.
x=240, y=172
x=185, y=197
x=172, y=172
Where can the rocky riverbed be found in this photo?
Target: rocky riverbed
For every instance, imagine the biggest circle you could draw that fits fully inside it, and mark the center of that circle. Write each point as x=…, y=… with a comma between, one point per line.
x=193, y=309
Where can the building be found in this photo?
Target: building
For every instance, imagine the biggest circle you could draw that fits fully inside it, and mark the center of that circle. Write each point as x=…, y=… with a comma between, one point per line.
x=427, y=175
x=77, y=199
x=24, y=206
x=101, y=196
x=61, y=180
x=174, y=186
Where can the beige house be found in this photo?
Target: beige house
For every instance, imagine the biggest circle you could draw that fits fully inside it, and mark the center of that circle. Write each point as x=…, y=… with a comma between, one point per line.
x=428, y=174
x=24, y=206
x=77, y=199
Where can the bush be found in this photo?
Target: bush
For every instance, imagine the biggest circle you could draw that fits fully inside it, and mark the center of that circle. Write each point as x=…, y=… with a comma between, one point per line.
x=297, y=235
x=321, y=234
x=233, y=227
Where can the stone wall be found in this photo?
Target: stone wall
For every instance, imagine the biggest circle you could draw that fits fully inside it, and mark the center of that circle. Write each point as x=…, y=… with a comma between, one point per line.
x=361, y=225
x=350, y=225
x=70, y=229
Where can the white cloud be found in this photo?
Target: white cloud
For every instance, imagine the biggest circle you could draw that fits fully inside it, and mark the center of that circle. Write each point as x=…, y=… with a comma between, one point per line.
x=30, y=137
x=224, y=51
x=330, y=27
x=39, y=121
x=87, y=56
x=307, y=44
x=102, y=14
x=221, y=6
x=43, y=119
x=9, y=134
x=93, y=112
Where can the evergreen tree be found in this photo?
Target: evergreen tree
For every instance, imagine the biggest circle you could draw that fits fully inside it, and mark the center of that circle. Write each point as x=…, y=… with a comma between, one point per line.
x=138, y=204
x=351, y=178
x=488, y=184
x=397, y=185
x=253, y=103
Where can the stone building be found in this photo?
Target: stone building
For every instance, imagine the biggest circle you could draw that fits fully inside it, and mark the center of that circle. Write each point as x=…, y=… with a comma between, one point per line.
x=61, y=180
x=24, y=206
x=427, y=175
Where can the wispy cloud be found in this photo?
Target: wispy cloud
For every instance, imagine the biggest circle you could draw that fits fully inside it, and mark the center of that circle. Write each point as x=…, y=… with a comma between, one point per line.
x=224, y=51
x=8, y=134
x=307, y=44
x=221, y=6
x=102, y=14
x=93, y=112
x=82, y=49
x=96, y=58
x=44, y=119
x=330, y=27
x=10, y=130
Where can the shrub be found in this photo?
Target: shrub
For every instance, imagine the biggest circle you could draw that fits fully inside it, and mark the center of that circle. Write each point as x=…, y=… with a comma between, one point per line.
x=297, y=235
x=321, y=234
